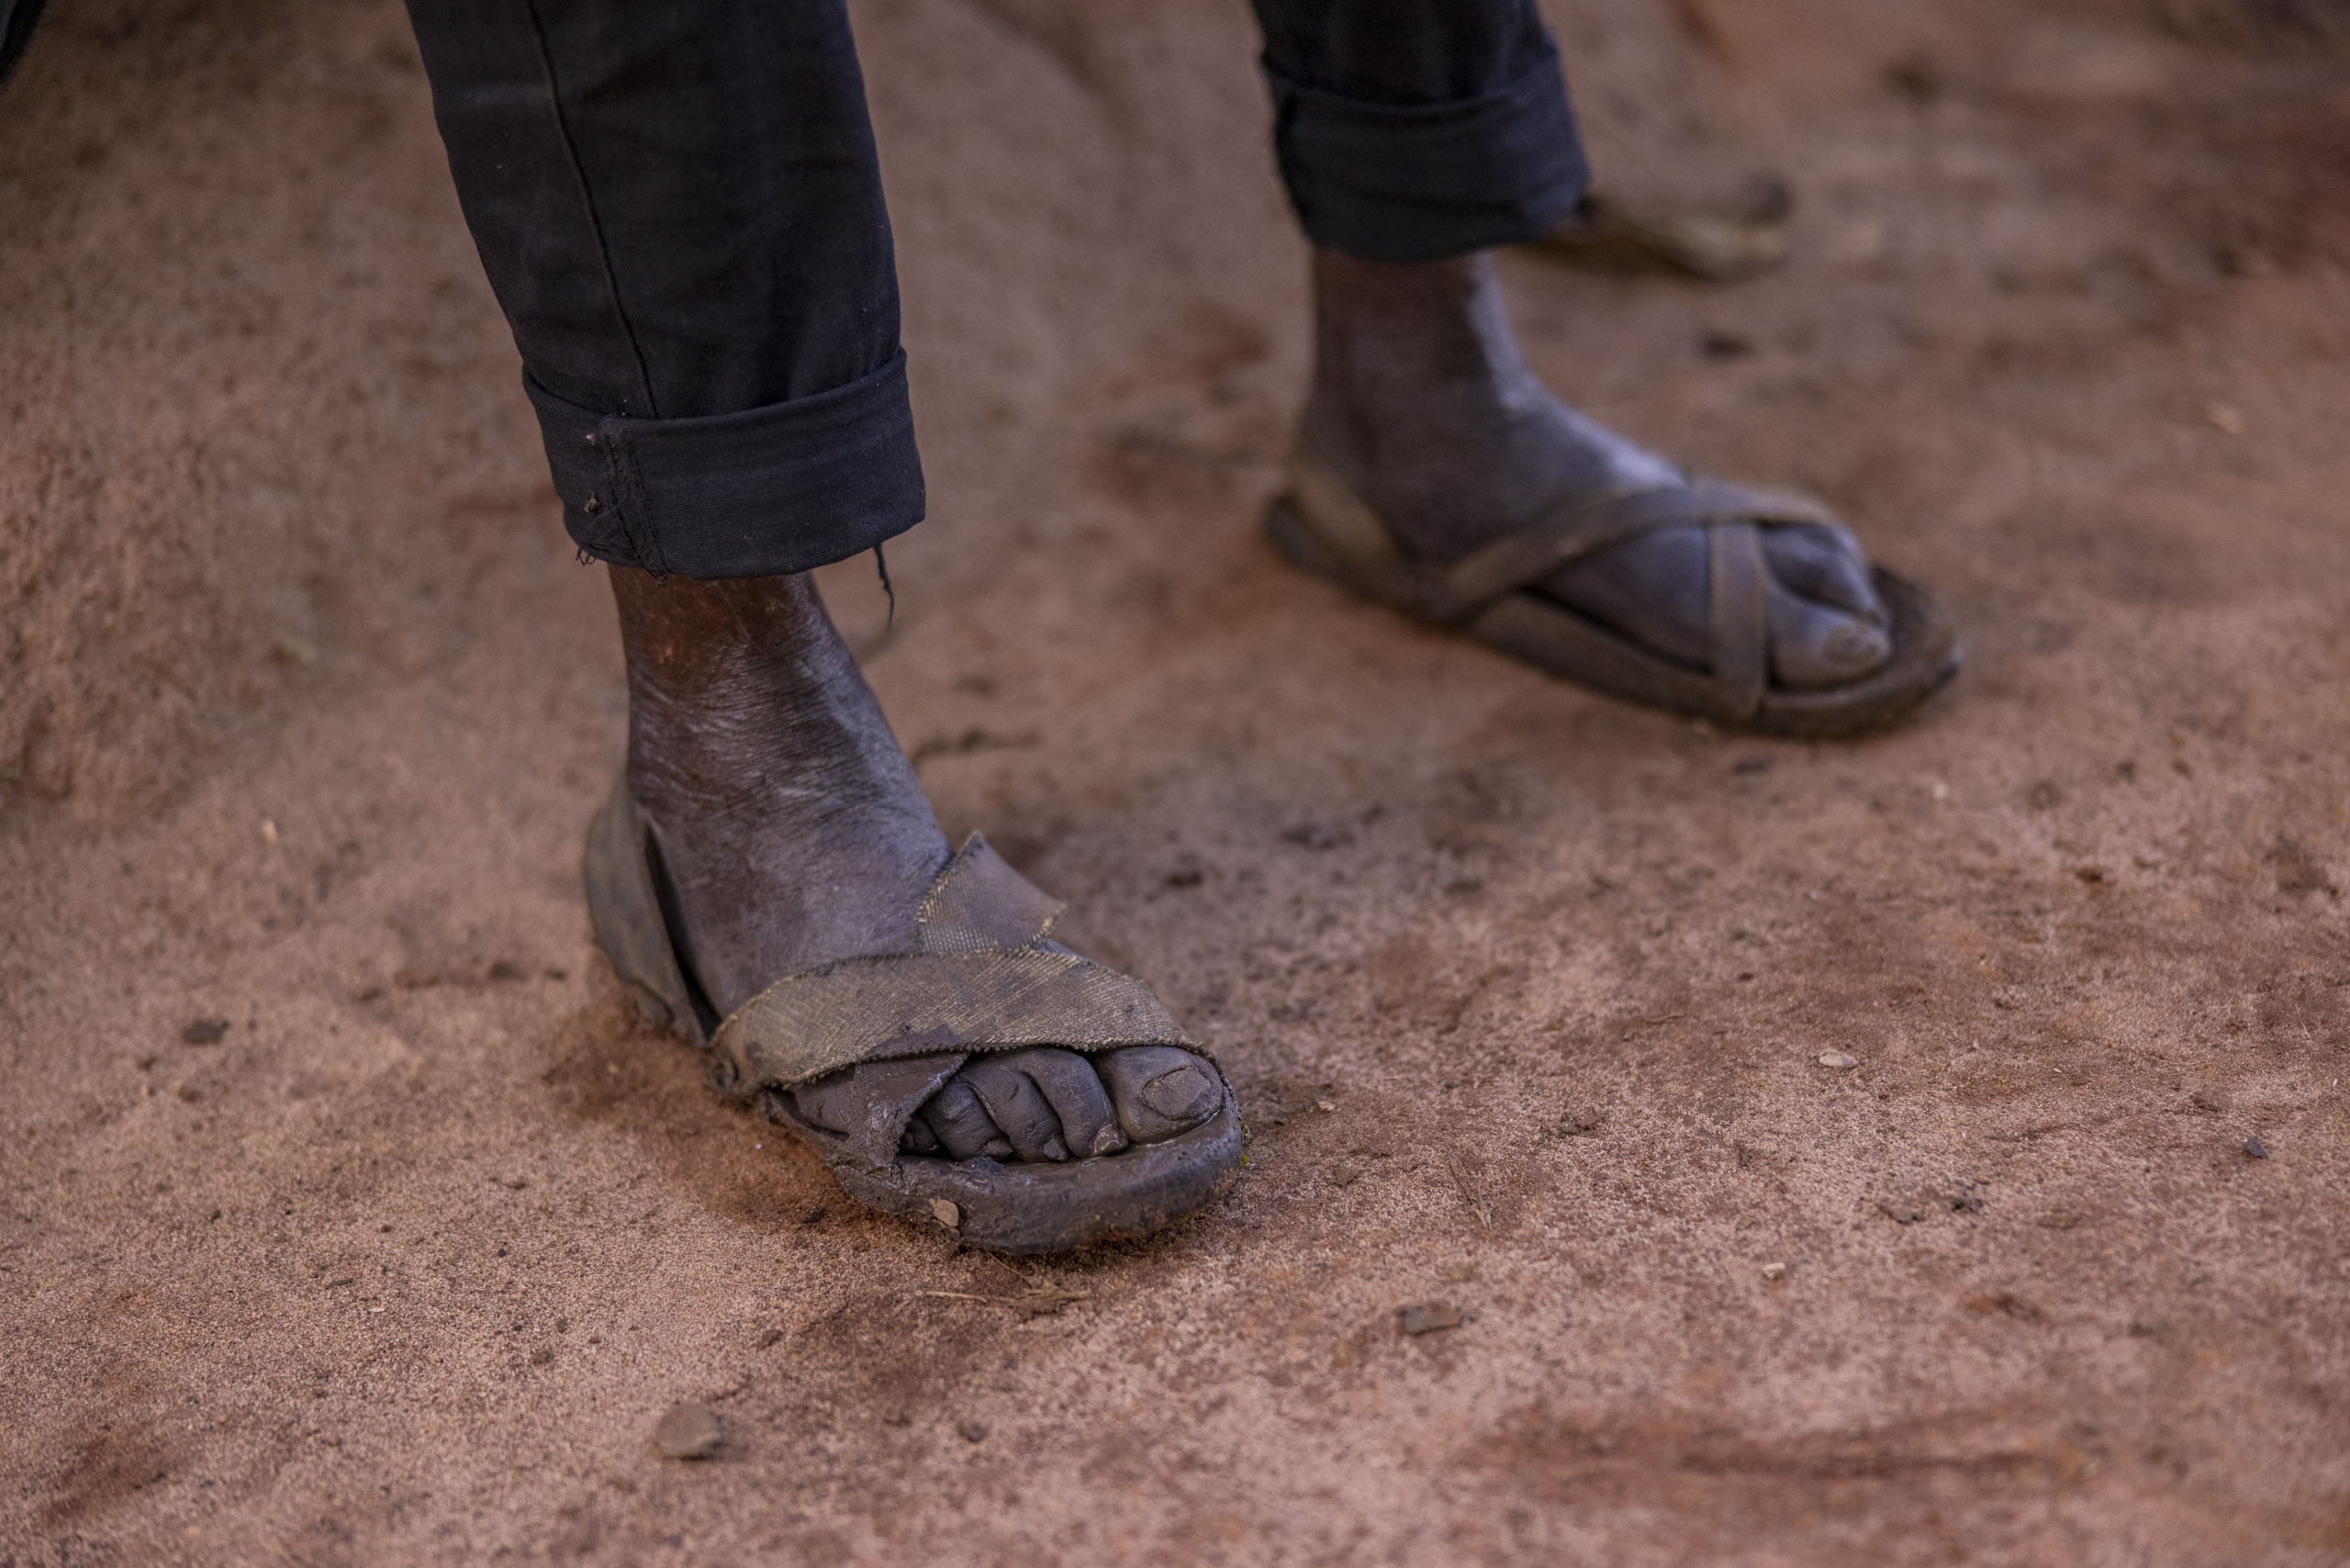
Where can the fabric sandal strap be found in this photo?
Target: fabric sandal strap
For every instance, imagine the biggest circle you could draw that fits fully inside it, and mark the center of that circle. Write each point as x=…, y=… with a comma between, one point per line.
x=978, y=903
x=1578, y=526
x=1738, y=585
x=977, y=975
x=908, y=1004
x=1581, y=527
x=1573, y=530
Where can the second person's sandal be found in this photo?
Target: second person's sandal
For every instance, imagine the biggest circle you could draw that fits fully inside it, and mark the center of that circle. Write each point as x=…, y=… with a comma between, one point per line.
x=1321, y=523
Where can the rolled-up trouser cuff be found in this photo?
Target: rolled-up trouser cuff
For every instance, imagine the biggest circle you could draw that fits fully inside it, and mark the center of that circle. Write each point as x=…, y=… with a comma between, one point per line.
x=783, y=488
x=1419, y=181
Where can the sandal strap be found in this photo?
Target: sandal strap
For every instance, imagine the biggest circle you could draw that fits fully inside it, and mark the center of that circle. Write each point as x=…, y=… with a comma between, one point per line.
x=1566, y=534
x=978, y=974
x=1738, y=584
x=808, y=1025
x=978, y=903
x=1580, y=526
x=1574, y=527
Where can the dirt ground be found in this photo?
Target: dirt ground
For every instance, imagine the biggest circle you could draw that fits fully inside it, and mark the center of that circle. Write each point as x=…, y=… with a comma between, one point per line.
x=349, y=1217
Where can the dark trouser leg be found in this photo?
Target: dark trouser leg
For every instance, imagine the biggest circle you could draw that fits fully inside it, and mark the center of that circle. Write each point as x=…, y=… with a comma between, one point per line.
x=679, y=209
x=17, y=19
x=1410, y=130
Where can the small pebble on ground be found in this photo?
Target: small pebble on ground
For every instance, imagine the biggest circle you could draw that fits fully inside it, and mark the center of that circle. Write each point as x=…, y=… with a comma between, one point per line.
x=688, y=1431
x=1840, y=1060
x=1426, y=1318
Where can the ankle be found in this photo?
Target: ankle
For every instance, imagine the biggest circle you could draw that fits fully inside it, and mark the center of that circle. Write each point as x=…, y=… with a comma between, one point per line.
x=749, y=720
x=1421, y=392
x=742, y=685
x=792, y=830
x=1389, y=335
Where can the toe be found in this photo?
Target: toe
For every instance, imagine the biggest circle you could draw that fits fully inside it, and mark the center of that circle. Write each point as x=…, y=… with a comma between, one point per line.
x=830, y=1103
x=1159, y=1091
x=1827, y=625
x=1038, y=1104
x=1814, y=647
x=1016, y=1105
x=961, y=1124
x=1069, y=1084
x=1825, y=565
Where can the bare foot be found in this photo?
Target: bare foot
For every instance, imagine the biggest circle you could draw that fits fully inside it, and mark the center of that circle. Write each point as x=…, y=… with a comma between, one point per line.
x=1419, y=382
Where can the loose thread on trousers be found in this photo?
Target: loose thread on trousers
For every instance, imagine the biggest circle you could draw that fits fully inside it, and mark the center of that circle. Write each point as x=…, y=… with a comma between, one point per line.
x=882, y=562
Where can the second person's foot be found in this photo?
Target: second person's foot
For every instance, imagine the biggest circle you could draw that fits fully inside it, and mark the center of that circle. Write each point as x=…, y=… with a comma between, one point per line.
x=1420, y=389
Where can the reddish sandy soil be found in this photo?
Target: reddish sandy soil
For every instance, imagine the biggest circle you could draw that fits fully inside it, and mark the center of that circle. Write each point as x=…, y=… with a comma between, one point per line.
x=304, y=707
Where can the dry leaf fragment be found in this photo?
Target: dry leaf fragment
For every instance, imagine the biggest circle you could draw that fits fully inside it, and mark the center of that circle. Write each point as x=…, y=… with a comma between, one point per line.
x=1426, y=1318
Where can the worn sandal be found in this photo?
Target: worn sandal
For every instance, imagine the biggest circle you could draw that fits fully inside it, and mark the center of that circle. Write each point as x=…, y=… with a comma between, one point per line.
x=1728, y=241
x=1322, y=525
x=977, y=974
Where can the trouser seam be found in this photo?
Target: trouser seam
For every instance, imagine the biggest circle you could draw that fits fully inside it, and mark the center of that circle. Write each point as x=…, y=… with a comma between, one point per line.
x=636, y=506
x=587, y=201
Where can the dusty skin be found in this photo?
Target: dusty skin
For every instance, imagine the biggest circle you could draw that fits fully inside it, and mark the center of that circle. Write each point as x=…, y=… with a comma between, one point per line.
x=350, y=1218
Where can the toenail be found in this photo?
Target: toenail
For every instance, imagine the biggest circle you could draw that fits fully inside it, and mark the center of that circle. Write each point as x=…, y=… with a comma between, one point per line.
x=1178, y=1093
x=1852, y=644
x=1109, y=1140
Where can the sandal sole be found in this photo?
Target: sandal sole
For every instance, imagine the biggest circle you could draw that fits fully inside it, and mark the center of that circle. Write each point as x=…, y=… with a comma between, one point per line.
x=1926, y=651
x=1030, y=1209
